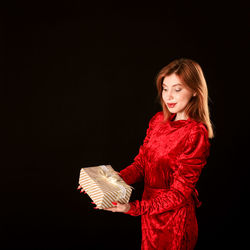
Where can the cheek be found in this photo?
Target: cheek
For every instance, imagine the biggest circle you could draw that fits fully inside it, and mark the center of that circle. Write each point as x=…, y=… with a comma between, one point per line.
x=184, y=97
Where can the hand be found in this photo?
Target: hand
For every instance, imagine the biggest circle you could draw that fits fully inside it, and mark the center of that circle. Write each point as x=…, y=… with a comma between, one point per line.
x=119, y=207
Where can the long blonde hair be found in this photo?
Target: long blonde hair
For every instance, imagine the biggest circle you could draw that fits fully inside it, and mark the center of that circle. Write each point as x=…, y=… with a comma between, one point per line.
x=191, y=74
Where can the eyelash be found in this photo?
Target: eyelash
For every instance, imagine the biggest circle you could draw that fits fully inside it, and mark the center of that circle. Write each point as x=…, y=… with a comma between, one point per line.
x=177, y=90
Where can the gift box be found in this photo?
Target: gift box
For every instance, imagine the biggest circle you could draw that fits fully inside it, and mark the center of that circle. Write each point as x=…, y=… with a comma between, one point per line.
x=104, y=185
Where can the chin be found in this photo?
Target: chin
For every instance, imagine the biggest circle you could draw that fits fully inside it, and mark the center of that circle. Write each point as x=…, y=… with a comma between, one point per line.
x=173, y=110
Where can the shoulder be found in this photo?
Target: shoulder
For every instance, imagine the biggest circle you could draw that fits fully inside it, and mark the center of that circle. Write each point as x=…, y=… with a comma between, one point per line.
x=157, y=117
x=198, y=134
x=198, y=128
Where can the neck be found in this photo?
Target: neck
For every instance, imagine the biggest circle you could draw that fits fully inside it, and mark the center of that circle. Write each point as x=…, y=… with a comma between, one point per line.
x=181, y=116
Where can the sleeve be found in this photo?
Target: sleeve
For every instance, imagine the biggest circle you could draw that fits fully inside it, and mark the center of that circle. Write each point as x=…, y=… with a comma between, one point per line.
x=191, y=161
x=135, y=172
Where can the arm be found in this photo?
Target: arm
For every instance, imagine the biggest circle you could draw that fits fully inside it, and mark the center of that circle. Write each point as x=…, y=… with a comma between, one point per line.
x=135, y=172
x=191, y=162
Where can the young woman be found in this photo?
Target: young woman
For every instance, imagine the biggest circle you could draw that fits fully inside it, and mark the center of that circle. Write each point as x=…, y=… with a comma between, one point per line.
x=171, y=159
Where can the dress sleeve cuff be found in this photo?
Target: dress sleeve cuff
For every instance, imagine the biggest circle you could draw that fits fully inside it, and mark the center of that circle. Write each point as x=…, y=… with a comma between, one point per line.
x=134, y=208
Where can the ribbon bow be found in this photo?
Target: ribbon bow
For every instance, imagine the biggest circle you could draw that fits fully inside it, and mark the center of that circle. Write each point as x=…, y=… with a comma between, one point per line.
x=114, y=179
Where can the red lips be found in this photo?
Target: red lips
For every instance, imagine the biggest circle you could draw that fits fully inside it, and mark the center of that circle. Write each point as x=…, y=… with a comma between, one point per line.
x=171, y=105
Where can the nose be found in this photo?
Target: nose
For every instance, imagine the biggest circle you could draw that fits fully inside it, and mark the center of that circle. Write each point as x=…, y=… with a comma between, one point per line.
x=169, y=96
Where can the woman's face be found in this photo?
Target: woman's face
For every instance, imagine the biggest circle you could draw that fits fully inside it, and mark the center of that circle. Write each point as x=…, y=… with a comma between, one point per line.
x=176, y=95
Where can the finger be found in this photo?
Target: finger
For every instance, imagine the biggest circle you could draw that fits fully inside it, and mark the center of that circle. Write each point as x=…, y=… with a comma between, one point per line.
x=79, y=187
x=117, y=204
x=112, y=209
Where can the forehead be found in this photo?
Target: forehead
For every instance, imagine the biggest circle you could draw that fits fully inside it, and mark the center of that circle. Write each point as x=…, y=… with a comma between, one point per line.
x=171, y=80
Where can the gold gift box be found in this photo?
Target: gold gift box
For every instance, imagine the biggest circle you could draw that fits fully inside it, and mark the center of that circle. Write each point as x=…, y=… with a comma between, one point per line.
x=104, y=185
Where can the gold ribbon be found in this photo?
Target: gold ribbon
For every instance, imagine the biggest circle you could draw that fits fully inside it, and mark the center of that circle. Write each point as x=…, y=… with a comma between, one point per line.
x=115, y=179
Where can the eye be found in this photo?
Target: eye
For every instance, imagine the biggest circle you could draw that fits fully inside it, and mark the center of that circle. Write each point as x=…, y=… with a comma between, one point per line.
x=164, y=89
x=178, y=89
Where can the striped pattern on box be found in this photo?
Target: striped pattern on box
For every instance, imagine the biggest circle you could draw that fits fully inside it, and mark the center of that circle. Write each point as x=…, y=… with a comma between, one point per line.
x=100, y=190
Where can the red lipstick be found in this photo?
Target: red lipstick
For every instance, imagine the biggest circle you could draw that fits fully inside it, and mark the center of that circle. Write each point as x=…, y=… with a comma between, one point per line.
x=171, y=105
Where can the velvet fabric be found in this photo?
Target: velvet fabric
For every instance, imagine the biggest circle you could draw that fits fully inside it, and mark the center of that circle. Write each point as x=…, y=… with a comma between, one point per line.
x=170, y=161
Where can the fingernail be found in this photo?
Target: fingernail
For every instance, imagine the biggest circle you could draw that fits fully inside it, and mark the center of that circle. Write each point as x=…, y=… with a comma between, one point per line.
x=114, y=203
x=92, y=202
x=79, y=187
x=96, y=208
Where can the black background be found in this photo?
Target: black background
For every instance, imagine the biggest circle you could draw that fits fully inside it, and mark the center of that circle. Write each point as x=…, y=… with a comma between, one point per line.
x=79, y=90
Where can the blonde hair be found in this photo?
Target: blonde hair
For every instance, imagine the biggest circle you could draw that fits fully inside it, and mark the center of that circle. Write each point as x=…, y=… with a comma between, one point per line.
x=192, y=76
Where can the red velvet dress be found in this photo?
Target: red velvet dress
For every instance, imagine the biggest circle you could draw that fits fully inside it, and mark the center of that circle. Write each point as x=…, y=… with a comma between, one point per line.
x=170, y=162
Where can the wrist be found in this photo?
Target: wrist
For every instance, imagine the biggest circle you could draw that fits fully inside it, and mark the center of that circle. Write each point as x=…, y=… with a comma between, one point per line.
x=127, y=208
x=134, y=208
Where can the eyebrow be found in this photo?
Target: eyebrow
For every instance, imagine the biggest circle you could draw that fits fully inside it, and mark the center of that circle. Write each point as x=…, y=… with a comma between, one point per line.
x=173, y=85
